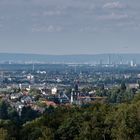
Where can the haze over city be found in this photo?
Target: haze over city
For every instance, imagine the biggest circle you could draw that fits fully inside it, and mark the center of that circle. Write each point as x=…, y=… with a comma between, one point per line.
x=69, y=27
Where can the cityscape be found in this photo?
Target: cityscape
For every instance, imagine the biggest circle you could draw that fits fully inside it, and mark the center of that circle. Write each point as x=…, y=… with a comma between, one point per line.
x=69, y=70
x=30, y=90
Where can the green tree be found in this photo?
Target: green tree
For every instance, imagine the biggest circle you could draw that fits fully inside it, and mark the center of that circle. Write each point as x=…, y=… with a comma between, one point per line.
x=123, y=86
x=28, y=114
x=126, y=122
x=3, y=110
x=70, y=128
x=47, y=134
x=3, y=134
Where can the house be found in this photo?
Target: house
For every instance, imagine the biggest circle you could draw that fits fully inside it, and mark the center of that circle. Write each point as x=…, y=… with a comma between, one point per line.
x=19, y=107
x=50, y=103
x=26, y=100
x=15, y=96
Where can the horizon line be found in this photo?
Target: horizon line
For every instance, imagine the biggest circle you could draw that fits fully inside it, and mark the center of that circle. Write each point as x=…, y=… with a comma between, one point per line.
x=25, y=53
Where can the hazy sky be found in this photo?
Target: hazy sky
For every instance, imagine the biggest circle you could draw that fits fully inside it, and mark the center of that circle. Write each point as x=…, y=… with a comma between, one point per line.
x=70, y=26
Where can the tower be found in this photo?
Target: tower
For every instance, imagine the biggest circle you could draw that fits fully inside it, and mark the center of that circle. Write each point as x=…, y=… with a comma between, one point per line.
x=101, y=62
x=33, y=67
x=109, y=59
x=20, y=86
x=71, y=99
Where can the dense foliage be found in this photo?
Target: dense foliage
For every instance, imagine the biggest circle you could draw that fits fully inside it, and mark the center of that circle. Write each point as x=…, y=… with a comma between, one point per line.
x=95, y=121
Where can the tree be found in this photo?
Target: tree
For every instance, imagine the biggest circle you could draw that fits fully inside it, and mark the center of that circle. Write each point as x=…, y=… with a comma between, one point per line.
x=28, y=114
x=3, y=110
x=139, y=84
x=3, y=134
x=126, y=122
x=47, y=134
x=70, y=128
x=11, y=129
x=123, y=86
x=13, y=115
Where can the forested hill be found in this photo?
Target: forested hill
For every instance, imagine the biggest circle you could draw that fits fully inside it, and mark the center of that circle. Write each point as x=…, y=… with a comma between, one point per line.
x=96, y=58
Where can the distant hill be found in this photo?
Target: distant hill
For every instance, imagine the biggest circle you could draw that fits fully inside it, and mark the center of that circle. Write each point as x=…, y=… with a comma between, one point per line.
x=91, y=59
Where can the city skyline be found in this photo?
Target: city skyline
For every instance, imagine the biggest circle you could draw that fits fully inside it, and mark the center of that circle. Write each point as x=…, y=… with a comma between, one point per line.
x=69, y=27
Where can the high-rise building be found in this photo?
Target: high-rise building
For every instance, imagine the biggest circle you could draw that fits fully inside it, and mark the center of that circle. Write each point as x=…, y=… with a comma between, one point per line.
x=109, y=59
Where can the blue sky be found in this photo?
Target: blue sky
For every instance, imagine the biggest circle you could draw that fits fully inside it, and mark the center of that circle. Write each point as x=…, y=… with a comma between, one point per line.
x=70, y=26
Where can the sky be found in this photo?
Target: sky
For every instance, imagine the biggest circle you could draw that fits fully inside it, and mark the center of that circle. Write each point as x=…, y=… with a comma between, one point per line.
x=70, y=26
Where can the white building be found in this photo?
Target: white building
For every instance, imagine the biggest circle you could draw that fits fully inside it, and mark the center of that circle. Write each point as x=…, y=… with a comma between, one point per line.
x=54, y=91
